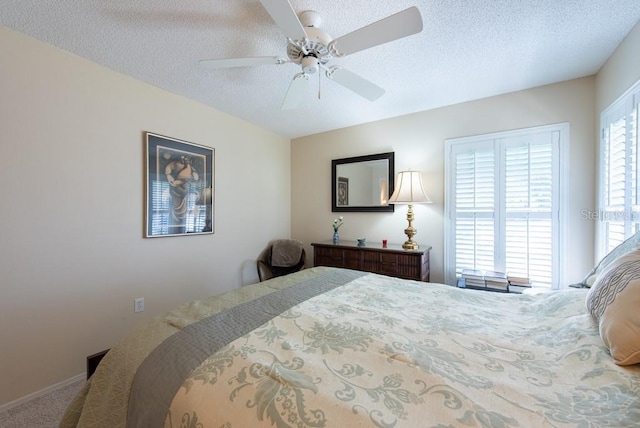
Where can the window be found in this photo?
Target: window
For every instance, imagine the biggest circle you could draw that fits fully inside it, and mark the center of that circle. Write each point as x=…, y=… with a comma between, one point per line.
x=619, y=206
x=503, y=203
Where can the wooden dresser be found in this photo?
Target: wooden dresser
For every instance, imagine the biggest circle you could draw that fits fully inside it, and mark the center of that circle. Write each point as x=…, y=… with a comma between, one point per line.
x=392, y=260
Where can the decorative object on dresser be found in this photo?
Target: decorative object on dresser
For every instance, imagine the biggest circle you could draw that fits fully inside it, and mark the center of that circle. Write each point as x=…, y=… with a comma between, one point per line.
x=409, y=190
x=336, y=225
x=391, y=260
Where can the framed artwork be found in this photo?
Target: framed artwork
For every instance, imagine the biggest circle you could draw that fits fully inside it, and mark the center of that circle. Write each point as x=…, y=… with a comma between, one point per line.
x=179, y=187
x=343, y=191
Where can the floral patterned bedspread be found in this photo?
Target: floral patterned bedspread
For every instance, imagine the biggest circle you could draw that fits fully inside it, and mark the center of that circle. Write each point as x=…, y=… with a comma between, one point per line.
x=384, y=352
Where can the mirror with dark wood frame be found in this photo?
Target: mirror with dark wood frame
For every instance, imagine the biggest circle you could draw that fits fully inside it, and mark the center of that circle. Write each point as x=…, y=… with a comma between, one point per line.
x=362, y=183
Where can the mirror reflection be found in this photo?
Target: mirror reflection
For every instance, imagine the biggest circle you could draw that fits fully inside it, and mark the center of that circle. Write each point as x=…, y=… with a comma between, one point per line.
x=362, y=183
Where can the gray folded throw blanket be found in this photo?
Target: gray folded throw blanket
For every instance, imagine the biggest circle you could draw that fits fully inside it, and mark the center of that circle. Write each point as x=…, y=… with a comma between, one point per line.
x=285, y=252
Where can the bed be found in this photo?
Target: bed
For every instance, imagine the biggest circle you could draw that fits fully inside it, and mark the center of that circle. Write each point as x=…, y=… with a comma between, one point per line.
x=328, y=347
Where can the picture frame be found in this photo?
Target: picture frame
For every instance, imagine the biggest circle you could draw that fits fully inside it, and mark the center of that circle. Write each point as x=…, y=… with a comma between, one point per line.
x=343, y=191
x=179, y=187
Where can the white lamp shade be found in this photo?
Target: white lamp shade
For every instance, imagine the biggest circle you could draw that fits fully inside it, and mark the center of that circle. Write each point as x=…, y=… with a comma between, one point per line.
x=409, y=189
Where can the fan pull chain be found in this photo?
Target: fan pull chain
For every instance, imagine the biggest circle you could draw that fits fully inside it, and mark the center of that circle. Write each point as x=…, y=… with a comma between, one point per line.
x=319, y=85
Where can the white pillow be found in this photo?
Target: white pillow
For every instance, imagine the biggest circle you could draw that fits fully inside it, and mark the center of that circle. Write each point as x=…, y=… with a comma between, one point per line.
x=614, y=301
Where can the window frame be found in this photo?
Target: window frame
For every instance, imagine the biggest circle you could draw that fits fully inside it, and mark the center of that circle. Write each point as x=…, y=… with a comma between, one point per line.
x=558, y=215
x=625, y=106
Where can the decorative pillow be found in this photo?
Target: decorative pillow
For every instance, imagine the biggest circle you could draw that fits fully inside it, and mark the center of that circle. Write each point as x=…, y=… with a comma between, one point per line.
x=614, y=302
x=629, y=244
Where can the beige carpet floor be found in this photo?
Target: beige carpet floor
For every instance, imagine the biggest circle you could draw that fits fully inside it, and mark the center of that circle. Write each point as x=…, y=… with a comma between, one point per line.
x=41, y=412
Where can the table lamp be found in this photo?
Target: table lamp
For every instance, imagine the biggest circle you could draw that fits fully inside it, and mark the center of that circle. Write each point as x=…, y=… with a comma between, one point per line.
x=408, y=190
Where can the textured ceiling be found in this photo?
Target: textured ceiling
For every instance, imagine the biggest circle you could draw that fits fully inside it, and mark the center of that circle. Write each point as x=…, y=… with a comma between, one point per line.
x=468, y=49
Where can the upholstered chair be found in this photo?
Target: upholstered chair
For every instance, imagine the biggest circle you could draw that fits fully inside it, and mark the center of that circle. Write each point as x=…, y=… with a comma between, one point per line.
x=281, y=257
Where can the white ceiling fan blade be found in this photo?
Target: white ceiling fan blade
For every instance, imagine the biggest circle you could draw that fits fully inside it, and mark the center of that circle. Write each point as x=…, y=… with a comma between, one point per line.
x=285, y=17
x=391, y=28
x=357, y=84
x=296, y=91
x=215, y=64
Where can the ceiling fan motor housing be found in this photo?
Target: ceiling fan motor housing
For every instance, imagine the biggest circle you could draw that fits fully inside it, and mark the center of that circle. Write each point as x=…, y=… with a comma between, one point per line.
x=313, y=50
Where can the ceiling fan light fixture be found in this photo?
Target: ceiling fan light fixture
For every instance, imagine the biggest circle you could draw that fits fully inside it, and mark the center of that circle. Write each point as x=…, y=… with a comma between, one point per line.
x=310, y=65
x=310, y=18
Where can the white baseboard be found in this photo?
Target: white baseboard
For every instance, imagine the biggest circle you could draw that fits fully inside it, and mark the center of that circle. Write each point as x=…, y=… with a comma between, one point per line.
x=22, y=400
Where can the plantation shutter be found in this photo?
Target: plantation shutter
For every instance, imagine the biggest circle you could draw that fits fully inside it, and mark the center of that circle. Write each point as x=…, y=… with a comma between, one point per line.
x=475, y=207
x=619, y=201
x=503, y=204
x=529, y=205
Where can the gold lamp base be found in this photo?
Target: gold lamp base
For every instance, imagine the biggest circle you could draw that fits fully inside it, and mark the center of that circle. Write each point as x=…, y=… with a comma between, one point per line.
x=410, y=231
x=410, y=245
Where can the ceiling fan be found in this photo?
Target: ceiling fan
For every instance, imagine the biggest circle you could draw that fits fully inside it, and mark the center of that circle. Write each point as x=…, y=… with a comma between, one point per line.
x=312, y=49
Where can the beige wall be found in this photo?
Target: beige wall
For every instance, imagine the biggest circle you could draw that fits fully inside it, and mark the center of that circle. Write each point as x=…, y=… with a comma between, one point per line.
x=72, y=257
x=620, y=72
x=418, y=143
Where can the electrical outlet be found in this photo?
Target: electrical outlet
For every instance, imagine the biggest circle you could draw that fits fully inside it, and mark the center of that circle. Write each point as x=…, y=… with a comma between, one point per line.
x=138, y=304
